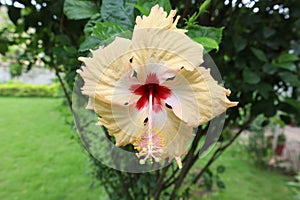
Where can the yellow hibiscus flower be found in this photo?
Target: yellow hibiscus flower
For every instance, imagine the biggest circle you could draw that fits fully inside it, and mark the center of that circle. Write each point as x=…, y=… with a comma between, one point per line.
x=151, y=91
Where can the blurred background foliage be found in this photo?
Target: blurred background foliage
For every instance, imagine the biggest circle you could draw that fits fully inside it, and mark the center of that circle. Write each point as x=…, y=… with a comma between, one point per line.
x=255, y=44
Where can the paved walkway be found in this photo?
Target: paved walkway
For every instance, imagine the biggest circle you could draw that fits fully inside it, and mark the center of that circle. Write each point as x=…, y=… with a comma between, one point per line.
x=292, y=133
x=34, y=76
x=292, y=149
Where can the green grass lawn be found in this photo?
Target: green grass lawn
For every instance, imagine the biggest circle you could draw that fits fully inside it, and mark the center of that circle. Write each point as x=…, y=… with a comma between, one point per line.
x=39, y=160
x=244, y=181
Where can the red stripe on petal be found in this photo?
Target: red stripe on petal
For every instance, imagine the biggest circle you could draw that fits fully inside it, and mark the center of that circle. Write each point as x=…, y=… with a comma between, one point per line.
x=134, y=87
x=159, y=93
x=152, y=79
x=162, y=92
x=142, y=102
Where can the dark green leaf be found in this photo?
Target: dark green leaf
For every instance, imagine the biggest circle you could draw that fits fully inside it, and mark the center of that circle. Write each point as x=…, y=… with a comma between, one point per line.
x=265, y=107
x=285, y=119
x=14, y=14
x=287, y=65
x=269, y=68
x=288, y=58
x=118, y=12
x=62, y=40
x=206, y=31
x=91, y=23
x=264, y=89
x=293, y=103
x=80, y=9
x=240, y=43
x=104, y=33
x=70, y=50
x=163, y=3
x=90, y=43
x=140, y=8
x=221, y=169
x=250, y=76
x=259, y=54
x=220, y=184
x=106, y=30
x=144, y=6
x=290, y=78
x=3, y=46
x=208, y=181
x=267, y=31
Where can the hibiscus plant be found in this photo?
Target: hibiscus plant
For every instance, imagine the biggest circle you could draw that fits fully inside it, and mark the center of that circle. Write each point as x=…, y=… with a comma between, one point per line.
x=149, y=84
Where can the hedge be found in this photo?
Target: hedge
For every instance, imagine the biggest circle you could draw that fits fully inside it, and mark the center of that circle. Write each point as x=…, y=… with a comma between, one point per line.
x=18, y=89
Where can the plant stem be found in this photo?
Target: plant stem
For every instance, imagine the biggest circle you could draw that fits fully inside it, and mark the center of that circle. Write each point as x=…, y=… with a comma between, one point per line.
x=160, y=182
x=189, y=161
x=220, y=150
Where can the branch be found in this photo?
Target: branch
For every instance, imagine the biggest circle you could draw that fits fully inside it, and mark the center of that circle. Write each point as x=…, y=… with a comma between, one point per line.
x=62, y=84
x=220, y=150
x=189, y=162
x=124, y=184
x=69, y=101
x=160, y=182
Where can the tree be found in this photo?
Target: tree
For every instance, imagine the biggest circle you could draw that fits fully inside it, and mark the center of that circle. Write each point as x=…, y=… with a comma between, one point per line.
x=258, y=58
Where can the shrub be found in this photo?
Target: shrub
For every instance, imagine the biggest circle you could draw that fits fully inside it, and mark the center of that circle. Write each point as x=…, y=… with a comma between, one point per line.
x=295, y=186
x=18, y=89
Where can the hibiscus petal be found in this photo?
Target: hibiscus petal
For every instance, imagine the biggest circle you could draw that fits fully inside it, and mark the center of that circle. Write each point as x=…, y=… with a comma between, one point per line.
x=124, y=122
x=109, y=120
x=158, y=19
x=176, y=134
x=197, y=97
x=166, y=47
x=102, y=73
x=106, y=66
x=145, y=74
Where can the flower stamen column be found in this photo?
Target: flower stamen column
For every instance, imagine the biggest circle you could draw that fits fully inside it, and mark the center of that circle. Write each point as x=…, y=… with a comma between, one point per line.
x=151, y=144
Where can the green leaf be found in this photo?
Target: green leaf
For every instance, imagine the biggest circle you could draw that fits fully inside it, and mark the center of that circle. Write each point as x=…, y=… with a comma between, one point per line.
x=140, y=8
x=104, y=33
x=91, y=23
x=264, y=90
x=250, y=76
x=62, y=40
x=259, y=54
x=3, y=46
x=80, y=9
x=144, y=6
x=293, y=103
x=268, y=32
x=166, y=4
x=239, y=43
x=206, y=31
x=89, y=43
x=118, y=12
x=106, y=30
x=263, y=106
x=269, y=68
x=221, y=169
x=14, y=14
x=220, y=184
x=290, y=78
x=207, y=43
x=288, y=65
x=288, y=58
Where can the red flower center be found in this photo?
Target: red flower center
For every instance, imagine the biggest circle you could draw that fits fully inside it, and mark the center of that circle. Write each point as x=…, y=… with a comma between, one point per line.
x=151, y=87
